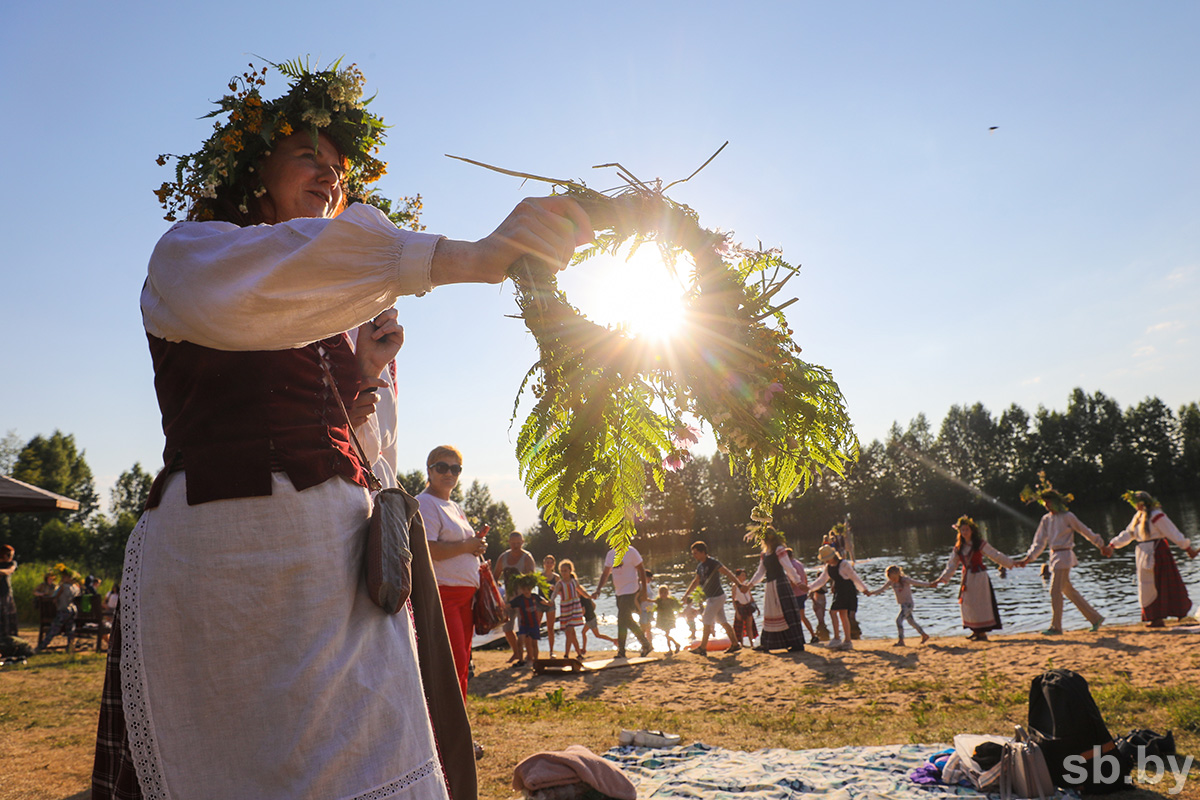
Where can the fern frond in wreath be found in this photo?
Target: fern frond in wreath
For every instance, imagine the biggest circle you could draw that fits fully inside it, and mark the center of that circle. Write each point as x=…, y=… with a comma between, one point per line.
x=610, y=409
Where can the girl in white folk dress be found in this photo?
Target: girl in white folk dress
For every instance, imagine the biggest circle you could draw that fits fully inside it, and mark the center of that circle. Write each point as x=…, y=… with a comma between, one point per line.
x=976, y=598
x=1161, y=592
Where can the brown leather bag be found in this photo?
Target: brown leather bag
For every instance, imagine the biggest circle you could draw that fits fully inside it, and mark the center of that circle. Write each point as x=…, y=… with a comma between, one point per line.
x=388, y=560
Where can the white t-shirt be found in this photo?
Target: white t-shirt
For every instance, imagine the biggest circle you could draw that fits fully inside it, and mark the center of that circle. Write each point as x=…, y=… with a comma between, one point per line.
x=445, y=521
x=625, y=576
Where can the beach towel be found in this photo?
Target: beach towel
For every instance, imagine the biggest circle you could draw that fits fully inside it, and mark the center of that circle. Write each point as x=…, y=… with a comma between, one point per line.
x=841, y=773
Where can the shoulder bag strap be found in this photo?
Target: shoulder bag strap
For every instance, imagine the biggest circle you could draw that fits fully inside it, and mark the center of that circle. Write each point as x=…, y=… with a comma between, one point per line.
x=373, y=483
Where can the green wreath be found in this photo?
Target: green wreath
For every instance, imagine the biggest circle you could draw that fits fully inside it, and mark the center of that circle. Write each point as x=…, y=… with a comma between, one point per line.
x=610, y=407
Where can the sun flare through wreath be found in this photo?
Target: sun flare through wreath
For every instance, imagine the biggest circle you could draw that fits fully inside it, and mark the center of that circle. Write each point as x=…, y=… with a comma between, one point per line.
x=611, y=409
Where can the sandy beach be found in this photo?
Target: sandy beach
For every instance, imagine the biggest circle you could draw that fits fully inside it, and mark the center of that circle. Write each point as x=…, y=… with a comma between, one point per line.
x=875, y=694
x=891, y=682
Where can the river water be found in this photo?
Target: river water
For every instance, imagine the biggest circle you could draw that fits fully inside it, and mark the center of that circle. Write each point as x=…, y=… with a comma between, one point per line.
x=1022, y=596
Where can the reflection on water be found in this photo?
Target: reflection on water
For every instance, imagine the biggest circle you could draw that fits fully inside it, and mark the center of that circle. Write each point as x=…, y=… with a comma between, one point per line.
x=1022, y=596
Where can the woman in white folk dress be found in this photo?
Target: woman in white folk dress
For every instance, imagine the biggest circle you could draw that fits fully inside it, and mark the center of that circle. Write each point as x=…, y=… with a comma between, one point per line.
x=284, y=681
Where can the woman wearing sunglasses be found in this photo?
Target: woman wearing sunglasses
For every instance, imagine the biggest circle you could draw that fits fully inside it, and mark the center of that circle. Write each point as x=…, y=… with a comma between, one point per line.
x=455, y=550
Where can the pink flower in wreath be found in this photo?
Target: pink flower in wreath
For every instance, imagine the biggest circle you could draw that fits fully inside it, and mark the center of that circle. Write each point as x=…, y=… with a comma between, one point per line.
x=676, y=461
x=771, y=391
x=685, y=436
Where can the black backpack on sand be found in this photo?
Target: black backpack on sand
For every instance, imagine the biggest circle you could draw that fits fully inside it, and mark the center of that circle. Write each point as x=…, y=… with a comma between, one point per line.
x=1066, y=724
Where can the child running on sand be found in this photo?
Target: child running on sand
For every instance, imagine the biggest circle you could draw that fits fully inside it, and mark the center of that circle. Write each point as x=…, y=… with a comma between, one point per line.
x=528, y=607
x=570, y=607
x=590, y=623
x=666, y=608
x=902, y=585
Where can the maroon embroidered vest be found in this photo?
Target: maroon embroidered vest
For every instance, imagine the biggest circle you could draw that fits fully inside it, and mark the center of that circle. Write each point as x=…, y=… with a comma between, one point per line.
x=232, y=418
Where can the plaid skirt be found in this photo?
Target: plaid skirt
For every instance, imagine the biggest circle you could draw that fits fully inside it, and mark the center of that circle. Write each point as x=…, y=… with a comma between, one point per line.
x=1172, y=599
x=113, y=775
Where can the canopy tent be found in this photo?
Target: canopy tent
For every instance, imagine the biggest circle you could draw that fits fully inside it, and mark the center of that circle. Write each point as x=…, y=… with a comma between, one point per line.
x=17, y=496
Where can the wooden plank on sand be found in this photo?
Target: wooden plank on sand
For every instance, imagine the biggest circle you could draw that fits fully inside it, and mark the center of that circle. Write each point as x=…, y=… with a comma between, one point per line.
x=560, y=666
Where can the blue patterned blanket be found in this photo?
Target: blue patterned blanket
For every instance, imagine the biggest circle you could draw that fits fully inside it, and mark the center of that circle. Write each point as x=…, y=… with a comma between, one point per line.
x=842, y=773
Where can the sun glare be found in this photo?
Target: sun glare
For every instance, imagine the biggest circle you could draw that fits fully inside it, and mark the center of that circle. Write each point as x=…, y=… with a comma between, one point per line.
x=640, y=294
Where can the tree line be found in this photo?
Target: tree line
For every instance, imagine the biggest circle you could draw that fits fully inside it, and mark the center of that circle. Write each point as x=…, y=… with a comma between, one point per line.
x=97, y=541
x=973, y=463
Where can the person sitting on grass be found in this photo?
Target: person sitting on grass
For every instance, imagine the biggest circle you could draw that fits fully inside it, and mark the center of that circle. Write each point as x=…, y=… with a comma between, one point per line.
x=666, y=608
x=902, y=585
x=708, y=578
x=527, y=608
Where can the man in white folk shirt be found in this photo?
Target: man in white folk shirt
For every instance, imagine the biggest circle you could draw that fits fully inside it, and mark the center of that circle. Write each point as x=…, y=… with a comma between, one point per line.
x=1057, y=531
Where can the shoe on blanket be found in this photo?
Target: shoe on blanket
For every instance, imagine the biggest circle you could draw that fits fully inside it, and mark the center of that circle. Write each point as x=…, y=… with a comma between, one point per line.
x=655, y=739
x=625, y=737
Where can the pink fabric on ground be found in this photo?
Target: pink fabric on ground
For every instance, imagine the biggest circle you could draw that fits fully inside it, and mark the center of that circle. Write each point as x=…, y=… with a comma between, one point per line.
x=576, y=764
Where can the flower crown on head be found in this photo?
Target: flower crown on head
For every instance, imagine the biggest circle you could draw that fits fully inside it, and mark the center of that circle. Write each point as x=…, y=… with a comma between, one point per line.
x=838, y=529
x=1046, y=494
x=1133, y=498
x=320, y=101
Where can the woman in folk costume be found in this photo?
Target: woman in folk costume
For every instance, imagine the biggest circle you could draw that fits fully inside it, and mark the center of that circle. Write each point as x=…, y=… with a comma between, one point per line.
x=781, y=628
x=1057, y=531
x=1161, y=592
x=976, y=598
x=262, y=690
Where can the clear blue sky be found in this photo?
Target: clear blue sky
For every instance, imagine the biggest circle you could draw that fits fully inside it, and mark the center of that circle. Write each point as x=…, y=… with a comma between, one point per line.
x=942, y=263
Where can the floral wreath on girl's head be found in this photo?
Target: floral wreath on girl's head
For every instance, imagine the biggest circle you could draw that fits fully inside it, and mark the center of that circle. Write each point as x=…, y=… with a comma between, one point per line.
x=1133, y=498
x=611, y=409
x=221, y=174
x=1047, y=495
x=969, y=522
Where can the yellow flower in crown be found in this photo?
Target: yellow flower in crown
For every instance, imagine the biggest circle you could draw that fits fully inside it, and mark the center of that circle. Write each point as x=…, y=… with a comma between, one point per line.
x=220, y=180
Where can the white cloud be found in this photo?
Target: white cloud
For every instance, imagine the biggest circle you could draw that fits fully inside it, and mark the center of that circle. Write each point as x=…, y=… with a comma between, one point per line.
x=1172, y=325
x=1181, y=274
x=1031, y=381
